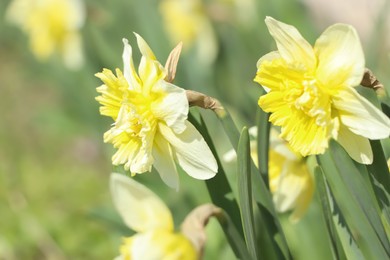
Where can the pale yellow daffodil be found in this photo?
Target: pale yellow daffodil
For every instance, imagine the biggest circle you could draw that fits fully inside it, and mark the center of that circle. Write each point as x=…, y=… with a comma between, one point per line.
x=151, y=126
x=145, y=213
x=52, y=25
x=290, y=182
x=187, y=21
x=311, y=93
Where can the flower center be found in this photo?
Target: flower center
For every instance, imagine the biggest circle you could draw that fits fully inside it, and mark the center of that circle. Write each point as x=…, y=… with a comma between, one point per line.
x=137, y=117
x=305, y=95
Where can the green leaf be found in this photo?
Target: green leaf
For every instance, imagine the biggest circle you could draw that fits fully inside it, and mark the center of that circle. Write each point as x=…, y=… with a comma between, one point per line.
x=355, y=202
x=245, y=191
x=220, y=191
x=269, y=228
x=326, y=205
x=263, y=130
x=380, y=180
x=233, y=237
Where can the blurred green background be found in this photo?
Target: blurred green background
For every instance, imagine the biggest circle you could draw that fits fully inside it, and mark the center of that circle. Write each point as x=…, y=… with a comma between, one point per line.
x=54, y=166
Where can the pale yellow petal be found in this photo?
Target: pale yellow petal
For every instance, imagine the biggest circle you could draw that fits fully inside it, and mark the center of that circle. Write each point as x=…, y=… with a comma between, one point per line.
x=281, y=147
x=288, y=190
x=173, y=107
x=164, y=163
x=340, y=57
x=291, y=45
x=357, y=147
x=17, y=11
x=158, y=244
x=192, y=152
x=143, y=160
x=72, y=51
x=269, y=57
x=142, y=246
x=304, y=200
x=360, y=116
x=77, y=13
x=139, y=207
x=128, y=66
x=294, y=190
x=144, y=48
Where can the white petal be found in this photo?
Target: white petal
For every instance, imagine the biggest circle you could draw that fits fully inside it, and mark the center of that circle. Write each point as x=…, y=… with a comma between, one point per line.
x=192, y=152
x=139, y=207
x=357, y=147
x=291, y=45
x=340, y=56
x=163, y=162
x=173, y=108
x=360, y=116
x=128, y=66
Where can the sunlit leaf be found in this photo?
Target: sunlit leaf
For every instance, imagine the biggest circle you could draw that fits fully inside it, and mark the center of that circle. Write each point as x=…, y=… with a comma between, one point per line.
x=245, y=192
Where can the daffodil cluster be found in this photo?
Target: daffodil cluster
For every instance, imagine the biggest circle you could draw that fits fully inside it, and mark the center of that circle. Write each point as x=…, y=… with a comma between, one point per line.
x=311, y=98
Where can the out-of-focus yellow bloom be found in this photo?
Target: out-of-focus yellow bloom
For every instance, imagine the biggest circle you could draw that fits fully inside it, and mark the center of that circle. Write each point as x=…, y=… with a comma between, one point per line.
x=146, y=214
x=187, y=21
x=311, y=95
x=52, y=25
x=151, y=126
x=290, y=181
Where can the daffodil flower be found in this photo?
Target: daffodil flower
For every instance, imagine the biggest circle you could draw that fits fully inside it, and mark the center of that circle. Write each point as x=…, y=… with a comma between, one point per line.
x=311, y=93
x=145, y=213
x=151, y=126
x=52, y=25
x=290, y=182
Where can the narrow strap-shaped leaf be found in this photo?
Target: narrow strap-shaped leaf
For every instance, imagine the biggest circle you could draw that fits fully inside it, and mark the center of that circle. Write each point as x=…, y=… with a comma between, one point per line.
x=322, y=191
x=380, y=180
x=233, y=237
x=245, y=192
x=263, y=130
x=270, y=230
x=349, y=246
x=260, y=191
x=219, y=190
x=353, y=199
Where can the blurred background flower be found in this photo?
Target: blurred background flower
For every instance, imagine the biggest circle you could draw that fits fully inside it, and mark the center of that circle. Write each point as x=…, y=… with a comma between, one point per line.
x=290, y=180
x=52, y=26
x=187, y=21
